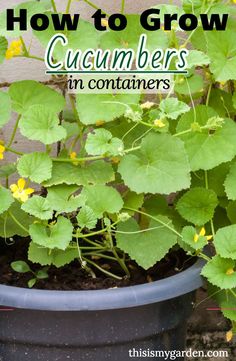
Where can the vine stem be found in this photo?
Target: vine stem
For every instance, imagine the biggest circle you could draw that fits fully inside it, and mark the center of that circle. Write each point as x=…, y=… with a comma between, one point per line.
x=72, y=101
x=14, y=132
x=90, y=234
x=207, y=187
x=123, y=7
x=155, y=219
x=90, y=3
x=29, y=56
x=87, y=159
x=68, y=6
x=17, y=222
x=97, y=249
x=54, y=6
x=193, y=32
x=189, y=131
x=119, y=260
x=102, y=270
x=24, y=46
x=202, y=255
x=100, y=255
x=208, y=94
x=97, y=232
x=13, y=151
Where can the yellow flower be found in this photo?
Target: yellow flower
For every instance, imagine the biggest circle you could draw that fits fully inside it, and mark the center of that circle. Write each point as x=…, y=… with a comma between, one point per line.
x=229, y=334
x=180, y=80
x=99, y=123
x=104, y=22
x=230, y=272
x=124, y=43
x=147, y=105
x=222, y=84
x=159, y=123
x=14, y=49
x=115, y=160
x=19, y=192
x=73, y=156
x=2, y=150
x=196, y=238
x=202, y=233
x=163, y=29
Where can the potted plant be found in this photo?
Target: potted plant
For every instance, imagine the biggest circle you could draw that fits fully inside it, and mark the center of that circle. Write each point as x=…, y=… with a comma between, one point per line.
x=103, y=231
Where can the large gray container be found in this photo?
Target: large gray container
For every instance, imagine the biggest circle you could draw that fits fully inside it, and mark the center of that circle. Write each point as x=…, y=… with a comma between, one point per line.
x=97, y=325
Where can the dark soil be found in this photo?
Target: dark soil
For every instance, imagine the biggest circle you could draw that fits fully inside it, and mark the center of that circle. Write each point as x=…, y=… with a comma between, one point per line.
x=72, y=277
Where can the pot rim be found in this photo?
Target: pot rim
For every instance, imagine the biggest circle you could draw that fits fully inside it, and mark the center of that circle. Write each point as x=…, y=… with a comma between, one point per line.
x=109, y=299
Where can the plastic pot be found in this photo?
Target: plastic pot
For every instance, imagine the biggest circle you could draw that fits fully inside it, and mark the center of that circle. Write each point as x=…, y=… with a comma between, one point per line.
x=97, y=325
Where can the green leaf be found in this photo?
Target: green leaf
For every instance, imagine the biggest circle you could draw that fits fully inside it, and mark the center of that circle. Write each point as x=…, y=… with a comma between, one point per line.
x=197, y=205
x=42, y=124
x=231, y=212
x=108, y=106
x=133, y=200
x=48, y=257
x=198, y=39
x=129, y=37
x=121, y=127
x=32, y=7
x=234, y=100
x=225, y=242
x=220, y=218
x=76, y=39
x=230, y=183
x=228, y=307
x=39, y=254
x=225, y=299
x=72, y=129
x=39, y=207
x=222, y=102
x=7, y=170
x=20, y=266
x=102, y=199
x=32, y=282
x=87, y=218
x=58, y=235
x=188, y=234
x=27, y=93
x=216, y=271
x=98, y=172
x=42, y=274
x=192, y=6
x=222, y=52
x=161, y=166
x=156, y=204
x=169, y=9
x=204, y=147
x=101, y=142
x=197, y=58
x=5, y=109
x=145, y=246
x=216, y=178
x=61, y=198
x=6, y=199
x=3, y=48
x=172, y=108
x=9, y=228
x=189, y=85
x=35, y=166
